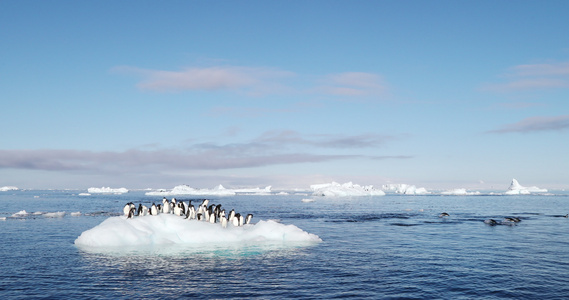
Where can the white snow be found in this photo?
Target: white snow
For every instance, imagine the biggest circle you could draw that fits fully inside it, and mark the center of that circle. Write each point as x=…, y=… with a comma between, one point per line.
x=335, y=189
x=169, y=229
x=107, y=190
x=8, y=188
x=517, y=189
x=403, y=188
x=216, y=191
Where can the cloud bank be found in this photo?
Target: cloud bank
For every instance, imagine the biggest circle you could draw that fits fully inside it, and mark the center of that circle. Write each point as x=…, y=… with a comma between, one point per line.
x=271, y=148
x=534, y=76
x=534, y=124
x=257, y=81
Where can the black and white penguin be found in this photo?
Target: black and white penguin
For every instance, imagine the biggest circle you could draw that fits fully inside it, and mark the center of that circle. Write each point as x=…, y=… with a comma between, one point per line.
x=139, y=210
x=200, y=217
x=235, y=220
x=127, y=207
x=444, y=214
x=491, y=222
x=153, y=210
x=248, y=218
x=223, y=222
x=513, y=220
x=131, y=213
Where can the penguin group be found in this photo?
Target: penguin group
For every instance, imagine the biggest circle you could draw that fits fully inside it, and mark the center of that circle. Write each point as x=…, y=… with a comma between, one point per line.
x=505, y=221
x=209, y=213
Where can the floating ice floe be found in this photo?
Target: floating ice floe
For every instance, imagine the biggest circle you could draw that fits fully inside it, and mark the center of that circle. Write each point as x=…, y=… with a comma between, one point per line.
x=517, y=189
x=403, y=188
x=107, y=190
x=169, y=229
x=335, y=189
x=59, y=214
x=8, y=188
x=459, y=192
x=21, y=213
x=216, y=191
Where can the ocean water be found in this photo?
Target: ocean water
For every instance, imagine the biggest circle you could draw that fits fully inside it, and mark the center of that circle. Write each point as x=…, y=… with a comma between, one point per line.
x=386, y=247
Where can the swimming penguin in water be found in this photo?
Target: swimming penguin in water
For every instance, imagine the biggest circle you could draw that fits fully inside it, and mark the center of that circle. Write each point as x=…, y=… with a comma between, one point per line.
x=491, y=222
x=514, y=220
x=248, y=218
x=444, y=214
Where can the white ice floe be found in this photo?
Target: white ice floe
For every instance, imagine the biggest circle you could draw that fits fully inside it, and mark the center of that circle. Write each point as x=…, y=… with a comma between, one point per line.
x=8, y=188
x=459, y=192
x=169, y=229
x=107, y=190
x=84, y=194
x=21, y=213
x=335, y=189
x=59, y=214
x=403, y=188
x=517, y=189
x=216, y=191
x=75, y=214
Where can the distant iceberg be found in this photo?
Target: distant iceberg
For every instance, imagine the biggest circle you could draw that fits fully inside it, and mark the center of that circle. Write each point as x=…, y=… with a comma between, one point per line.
x=347, y=189
x=168, y=229
x=403, y=188
x=459, y=192
x=517, y=189
x=107, y=190
x=8, y=188
x=216, y=191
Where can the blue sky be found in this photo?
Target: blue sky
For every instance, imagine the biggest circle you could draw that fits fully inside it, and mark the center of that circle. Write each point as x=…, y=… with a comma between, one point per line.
x=153, y=94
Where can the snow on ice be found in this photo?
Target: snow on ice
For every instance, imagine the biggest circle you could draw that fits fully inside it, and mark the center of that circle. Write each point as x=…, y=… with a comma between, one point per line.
x=169, y=229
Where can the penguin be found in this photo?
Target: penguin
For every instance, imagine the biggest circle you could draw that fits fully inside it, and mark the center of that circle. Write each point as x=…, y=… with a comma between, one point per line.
x=153, y=210
x=206, y=215
x=444, y=214
x=177, y=210
x=200, y=217
x=165, y=206
x=223, y=222
x=248, y=218
x=514, y=220
x=212, y=218
x=182, y=207
x=139, y=211
x=131, y=213
x=192, y=212
x=126, y=209
x=235, y=220
x=241, y=220
x=144, y=210
x=231, y=215
x=491, y=222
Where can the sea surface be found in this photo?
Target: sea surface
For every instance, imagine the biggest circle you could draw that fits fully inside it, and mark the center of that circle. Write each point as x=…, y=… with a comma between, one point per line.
x=384, y=247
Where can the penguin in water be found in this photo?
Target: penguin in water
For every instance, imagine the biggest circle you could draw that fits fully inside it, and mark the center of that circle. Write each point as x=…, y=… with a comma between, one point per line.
x=444, y=214
x=491, y=222
x=248, y=218
x=512, y=220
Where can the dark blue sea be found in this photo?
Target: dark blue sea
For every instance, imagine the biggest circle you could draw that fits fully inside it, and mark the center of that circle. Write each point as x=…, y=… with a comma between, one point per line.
x=385, y=247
